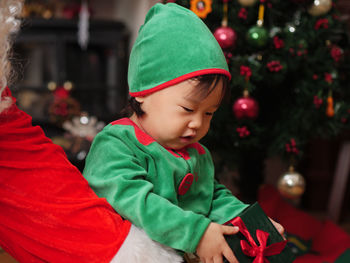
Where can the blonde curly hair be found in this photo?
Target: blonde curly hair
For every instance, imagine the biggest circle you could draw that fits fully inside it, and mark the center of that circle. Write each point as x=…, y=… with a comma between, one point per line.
x=9, y=24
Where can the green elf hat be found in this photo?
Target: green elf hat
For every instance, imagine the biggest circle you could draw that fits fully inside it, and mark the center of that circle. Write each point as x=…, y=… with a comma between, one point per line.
x=173, y=45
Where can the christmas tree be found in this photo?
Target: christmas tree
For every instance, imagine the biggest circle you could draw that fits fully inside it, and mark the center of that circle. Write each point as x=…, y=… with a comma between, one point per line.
x=290, y=80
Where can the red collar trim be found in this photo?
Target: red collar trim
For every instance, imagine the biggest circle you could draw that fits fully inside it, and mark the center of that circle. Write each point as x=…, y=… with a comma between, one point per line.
x=141, y=136
x=180, y=79
x=145, y=139
x=184, y=153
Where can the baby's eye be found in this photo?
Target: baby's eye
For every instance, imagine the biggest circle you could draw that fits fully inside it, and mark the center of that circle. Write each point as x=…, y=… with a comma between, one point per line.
x=209, y=113
x=187, y=109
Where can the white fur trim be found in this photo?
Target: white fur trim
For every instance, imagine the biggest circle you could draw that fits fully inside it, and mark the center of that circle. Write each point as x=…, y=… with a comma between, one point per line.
x=139, y=248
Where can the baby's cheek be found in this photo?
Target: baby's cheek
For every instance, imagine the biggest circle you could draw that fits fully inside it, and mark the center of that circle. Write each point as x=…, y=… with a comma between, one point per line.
x=204, y=132
x=207, y=126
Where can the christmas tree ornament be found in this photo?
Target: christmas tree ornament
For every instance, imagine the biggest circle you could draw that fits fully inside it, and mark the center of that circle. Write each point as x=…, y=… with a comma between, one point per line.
x=291, y=147
x=81, y=130
x=225, y=35
x=278, y=42
x=63, y=106
x=274, y=66
x=245, y=107
x=247, y=2
x=336, y=53
x=243, y=131
x=330, y=105
x=291, y=184
x=328, y=77
x=322, y=23
x=290, y=28
x=320, y=7
x=83, y=126
x=201, y=7
x=246, y=72
x=317, y=101
x=257, y=36
x=243, y=14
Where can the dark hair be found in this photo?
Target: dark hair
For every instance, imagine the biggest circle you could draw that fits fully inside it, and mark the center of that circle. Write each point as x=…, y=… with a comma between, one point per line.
x=206, y=84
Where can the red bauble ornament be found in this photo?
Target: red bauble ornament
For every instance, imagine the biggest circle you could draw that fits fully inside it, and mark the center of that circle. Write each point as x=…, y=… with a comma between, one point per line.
x=337, y=53
x=246, y=107
x=226, y=37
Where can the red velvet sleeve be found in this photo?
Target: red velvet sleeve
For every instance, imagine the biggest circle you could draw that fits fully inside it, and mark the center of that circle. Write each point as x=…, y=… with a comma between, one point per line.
x=48, y=211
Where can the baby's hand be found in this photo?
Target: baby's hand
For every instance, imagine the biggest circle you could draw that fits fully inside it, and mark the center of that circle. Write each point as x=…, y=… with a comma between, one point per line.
x=213, y=245
x=279, y=227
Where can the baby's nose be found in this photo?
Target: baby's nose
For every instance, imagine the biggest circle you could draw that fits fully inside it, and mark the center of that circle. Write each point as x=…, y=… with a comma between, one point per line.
x=196, y=122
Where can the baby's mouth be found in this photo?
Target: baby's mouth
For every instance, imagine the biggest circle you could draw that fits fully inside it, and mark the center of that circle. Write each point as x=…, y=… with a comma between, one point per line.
x=187, y=138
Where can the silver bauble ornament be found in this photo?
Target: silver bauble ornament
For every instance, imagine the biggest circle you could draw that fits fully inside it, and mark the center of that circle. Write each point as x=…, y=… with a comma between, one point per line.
x=247, y=2
x=320, y=7
x=291, y=184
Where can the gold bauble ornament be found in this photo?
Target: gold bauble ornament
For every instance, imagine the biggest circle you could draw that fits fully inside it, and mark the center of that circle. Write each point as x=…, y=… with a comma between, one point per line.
x=291, y=184
x=320, y=7
x=247, y=2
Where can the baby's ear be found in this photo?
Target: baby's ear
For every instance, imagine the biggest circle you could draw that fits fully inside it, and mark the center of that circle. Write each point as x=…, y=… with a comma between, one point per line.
x=140, y=99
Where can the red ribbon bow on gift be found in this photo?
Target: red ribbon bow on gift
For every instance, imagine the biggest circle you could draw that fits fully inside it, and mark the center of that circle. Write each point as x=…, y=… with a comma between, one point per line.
x=251, y=249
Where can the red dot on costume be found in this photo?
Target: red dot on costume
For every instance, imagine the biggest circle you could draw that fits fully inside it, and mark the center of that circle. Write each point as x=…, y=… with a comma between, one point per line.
x=185, y=184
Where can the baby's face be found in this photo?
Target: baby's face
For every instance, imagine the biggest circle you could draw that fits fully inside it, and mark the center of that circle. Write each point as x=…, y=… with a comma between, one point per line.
x=178, y=116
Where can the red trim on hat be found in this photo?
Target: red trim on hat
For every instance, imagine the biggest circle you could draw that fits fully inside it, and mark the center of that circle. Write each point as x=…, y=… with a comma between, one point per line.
x=180, y=79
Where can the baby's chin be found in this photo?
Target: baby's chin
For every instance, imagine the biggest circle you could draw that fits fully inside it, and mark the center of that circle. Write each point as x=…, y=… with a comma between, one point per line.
x=183, y=143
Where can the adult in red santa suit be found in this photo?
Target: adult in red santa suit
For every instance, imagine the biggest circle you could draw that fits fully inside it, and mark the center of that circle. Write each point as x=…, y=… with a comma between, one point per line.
x=48, y=211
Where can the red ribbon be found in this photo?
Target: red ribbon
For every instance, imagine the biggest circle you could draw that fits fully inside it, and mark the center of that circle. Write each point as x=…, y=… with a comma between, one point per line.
x=251, y=249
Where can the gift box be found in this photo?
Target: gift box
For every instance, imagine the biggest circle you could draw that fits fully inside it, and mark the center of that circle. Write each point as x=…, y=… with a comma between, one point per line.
x=258, y=241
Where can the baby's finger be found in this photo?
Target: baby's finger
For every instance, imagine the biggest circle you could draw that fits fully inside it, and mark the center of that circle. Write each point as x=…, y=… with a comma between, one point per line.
x=278, y=226
x=280, y=229
x=218, y=259
x=230, y=230
x=228, y=254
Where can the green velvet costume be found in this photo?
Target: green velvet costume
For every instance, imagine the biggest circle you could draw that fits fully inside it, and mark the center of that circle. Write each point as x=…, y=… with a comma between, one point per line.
x=171, y=195
x=140, y=179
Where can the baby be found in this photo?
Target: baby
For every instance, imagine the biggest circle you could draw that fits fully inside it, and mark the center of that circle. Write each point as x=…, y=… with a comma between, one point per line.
x=151, y=167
